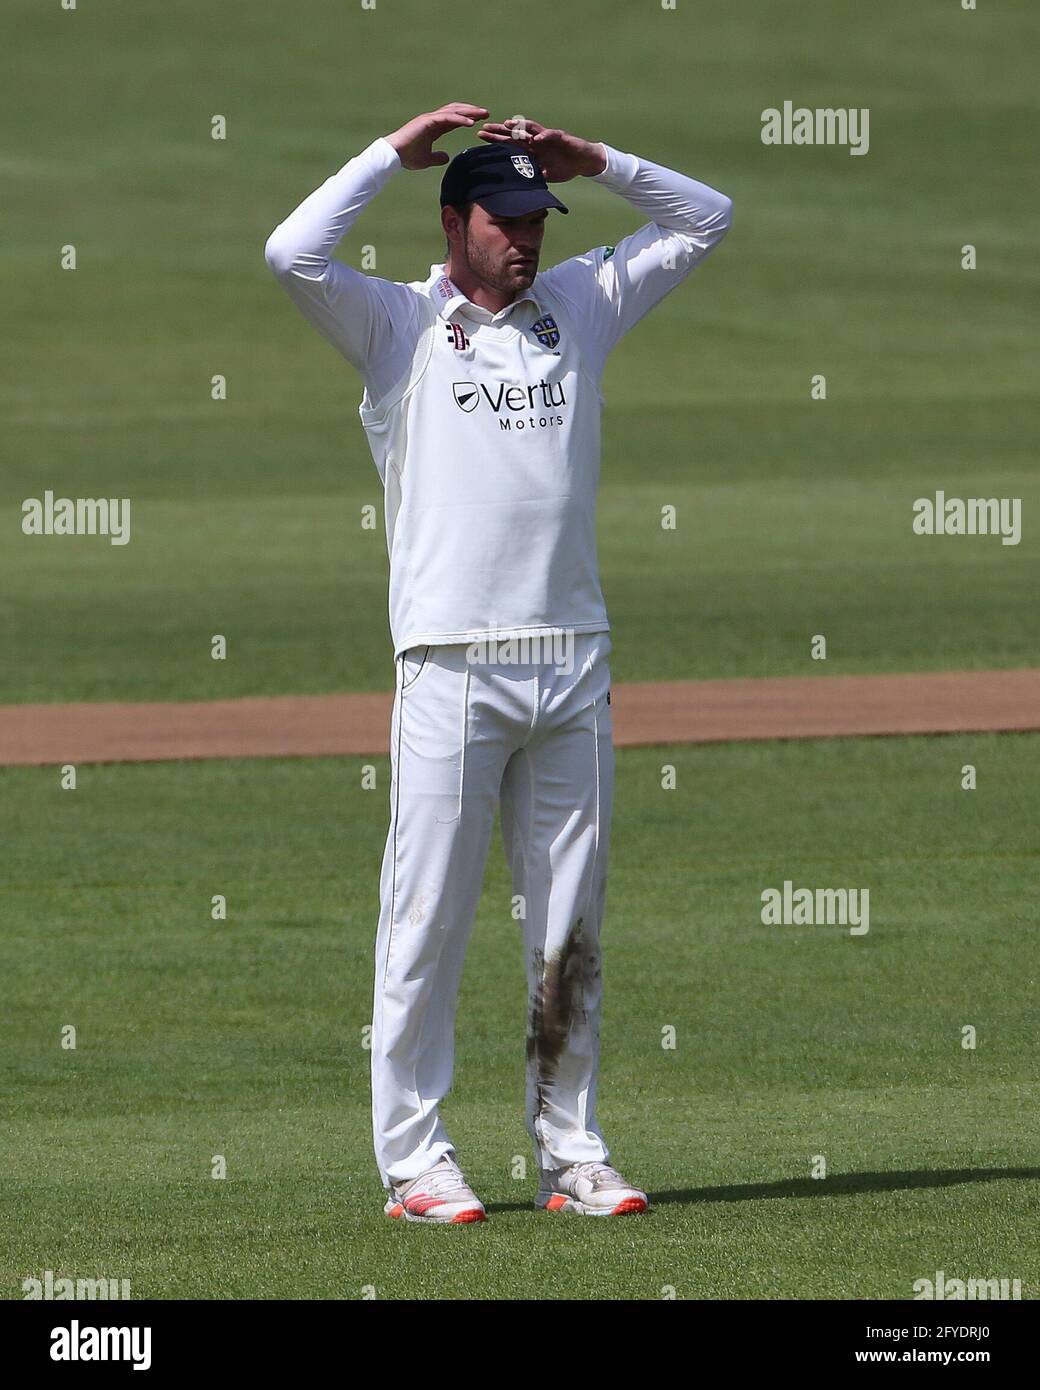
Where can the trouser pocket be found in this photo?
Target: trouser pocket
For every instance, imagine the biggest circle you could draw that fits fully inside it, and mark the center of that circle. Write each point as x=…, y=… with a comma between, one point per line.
x=413, y=663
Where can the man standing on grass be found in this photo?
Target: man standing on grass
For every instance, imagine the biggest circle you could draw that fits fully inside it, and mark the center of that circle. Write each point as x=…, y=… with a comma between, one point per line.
x=482, y=411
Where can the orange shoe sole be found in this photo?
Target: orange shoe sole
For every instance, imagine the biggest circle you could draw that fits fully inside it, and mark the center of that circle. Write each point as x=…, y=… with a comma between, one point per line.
x=463, y=1218
x=631, y=1206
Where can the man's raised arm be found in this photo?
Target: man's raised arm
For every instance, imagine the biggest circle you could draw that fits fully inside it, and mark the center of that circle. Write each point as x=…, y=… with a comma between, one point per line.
x=611, y=288
x=365, y=318
x=688, y=219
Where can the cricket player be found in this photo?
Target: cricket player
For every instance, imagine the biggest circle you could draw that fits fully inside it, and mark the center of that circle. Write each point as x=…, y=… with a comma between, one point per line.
x=482, y=411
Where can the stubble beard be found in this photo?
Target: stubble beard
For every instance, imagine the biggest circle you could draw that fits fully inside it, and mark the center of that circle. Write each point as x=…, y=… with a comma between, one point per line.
x=502, y=278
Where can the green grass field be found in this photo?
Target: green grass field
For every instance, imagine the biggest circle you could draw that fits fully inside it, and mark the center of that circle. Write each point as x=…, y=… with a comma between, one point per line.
x=244, y=1038
x=794, y=515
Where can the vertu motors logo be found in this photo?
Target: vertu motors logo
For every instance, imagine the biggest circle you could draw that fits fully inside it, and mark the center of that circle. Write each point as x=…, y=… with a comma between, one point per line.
x=466, y=395
x=547, y=395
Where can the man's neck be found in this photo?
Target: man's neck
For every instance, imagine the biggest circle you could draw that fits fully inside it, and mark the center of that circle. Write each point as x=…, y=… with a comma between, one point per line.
x=477, y=292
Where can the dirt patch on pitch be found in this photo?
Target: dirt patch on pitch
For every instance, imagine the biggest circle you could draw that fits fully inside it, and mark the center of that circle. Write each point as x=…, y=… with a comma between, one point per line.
x=717, y=711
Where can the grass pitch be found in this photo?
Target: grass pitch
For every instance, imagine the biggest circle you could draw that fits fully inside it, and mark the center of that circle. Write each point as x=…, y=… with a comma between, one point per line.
x=243, y=1038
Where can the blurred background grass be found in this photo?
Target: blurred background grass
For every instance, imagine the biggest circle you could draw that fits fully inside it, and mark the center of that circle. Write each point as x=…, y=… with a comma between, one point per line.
x=794, y=515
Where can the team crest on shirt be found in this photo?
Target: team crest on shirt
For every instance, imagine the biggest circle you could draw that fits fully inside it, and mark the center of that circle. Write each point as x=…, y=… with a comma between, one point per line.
x=522, y=163
x=546, y=331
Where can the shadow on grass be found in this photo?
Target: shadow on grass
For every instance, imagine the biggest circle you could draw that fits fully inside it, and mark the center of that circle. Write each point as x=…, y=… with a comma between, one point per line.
x=840, y=1185
x=843, y=1184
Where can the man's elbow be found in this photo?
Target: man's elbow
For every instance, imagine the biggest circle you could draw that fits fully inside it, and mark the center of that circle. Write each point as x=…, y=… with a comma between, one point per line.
x=705, y=232
x=722, y=218
x=707, y=227
x=279, y=253
x=713, y=228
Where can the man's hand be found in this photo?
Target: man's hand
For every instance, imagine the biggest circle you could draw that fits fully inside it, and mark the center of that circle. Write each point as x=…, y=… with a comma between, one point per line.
x=414, y=141
x=559, y=155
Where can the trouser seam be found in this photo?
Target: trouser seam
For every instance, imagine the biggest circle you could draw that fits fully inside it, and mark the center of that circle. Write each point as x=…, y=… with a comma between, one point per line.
x=397, y=821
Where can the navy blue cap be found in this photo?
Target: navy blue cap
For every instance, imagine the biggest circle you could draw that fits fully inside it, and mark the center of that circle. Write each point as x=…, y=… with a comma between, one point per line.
x=502, y=177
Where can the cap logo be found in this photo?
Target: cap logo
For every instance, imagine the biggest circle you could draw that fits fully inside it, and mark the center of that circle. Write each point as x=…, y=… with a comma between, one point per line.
x=522, y=163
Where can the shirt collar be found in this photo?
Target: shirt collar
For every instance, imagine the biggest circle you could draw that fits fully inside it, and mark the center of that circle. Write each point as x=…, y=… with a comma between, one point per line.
x=448, y=297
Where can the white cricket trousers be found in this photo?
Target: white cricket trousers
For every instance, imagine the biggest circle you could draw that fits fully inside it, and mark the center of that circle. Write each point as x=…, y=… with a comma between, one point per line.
x=466, y=736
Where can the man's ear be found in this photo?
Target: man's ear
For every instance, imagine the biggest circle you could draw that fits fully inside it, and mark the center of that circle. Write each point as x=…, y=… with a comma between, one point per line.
x=451, y=222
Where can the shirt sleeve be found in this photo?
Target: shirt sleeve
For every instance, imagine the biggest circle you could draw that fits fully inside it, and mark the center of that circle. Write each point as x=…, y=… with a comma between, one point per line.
x=373, y=323
x=610, y=289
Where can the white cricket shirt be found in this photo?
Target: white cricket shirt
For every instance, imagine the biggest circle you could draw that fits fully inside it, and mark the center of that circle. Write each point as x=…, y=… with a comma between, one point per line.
x=485, y=428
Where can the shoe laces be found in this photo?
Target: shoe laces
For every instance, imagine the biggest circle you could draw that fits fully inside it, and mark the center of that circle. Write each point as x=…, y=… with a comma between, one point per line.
x=597, y=1173
x=443, y=1178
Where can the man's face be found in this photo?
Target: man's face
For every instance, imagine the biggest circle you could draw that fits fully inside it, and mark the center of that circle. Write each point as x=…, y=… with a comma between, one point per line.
x=503, y=252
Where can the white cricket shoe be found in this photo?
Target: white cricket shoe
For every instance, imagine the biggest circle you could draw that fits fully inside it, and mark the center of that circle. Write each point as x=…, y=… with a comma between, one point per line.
x=591, y=1189
x=441, y=1194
